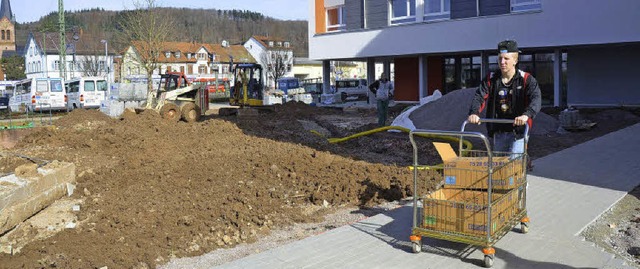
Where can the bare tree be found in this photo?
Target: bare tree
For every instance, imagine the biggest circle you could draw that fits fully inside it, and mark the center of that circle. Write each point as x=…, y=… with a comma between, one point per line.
x=277, y=63
x=146, y=28
x=92, y=65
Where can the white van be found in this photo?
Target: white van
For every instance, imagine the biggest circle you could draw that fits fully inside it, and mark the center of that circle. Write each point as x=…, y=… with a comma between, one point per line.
x=352, y=88
x=86, y=92
x=39, y=94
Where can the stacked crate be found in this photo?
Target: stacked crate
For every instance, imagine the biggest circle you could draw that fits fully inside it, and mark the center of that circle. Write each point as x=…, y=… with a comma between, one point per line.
x=462, y=205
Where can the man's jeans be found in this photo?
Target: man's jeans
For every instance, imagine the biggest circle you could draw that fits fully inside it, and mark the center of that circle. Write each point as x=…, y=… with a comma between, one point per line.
x=507, y=142
x=383, y=108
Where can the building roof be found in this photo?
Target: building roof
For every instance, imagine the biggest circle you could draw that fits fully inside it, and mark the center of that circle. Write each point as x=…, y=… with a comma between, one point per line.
x=85, y=45
x=184, y=49
x=264, y=41
x=222, y=54
x=5, y=11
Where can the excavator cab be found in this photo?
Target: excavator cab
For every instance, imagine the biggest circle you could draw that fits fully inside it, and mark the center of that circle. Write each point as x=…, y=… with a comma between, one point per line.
x=248, y=89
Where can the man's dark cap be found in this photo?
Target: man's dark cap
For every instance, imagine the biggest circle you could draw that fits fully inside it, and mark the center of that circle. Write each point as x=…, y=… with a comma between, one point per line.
x=508, y=46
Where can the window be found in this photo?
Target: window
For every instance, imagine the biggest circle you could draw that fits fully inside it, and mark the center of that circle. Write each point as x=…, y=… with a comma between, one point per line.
x=70, y=65
x=177, y=54
x=336, y=19
x=56, y=65
x=167, y=54
x=279, y=44
x=89, y=86
x=2, y=34
x=270, y=43
x=73, y=87
x=437, y=10
x=8, y=34
x=202, y=56
x=403, y=11
x=286, y=44
x=202, y=69
x=189, y=56
x=525, y=5
x=56, y=86
x=101, y=65
x=102, y=85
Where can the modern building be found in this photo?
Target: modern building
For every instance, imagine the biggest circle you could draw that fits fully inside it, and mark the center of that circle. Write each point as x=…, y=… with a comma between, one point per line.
x=192, y=59
x=583, y=53
x=86, y=55
x=274, y=54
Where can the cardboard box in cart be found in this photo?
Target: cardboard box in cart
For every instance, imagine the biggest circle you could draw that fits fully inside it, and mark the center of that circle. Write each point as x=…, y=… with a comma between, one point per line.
x=472, y=172
x=465, y=211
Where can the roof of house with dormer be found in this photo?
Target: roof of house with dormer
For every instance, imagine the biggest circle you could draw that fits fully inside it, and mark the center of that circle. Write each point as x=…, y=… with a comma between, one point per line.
x=278, y=43
x=186, y=52
x=224, y=53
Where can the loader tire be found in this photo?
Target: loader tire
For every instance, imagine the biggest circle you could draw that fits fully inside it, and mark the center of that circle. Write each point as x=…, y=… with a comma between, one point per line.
x=170, y=112
x=190, y=112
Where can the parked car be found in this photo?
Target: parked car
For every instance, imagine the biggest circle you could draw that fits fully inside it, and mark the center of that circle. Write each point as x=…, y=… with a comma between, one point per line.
x=352, y=89
x=4, y=103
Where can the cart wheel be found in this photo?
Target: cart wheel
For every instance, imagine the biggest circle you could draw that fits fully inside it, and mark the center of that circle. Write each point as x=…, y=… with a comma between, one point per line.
x=524, y=227
x=488, y=261
x=416, y=247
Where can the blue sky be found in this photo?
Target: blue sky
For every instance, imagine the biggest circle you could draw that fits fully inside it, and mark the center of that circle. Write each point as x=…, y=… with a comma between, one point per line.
x=32, y=10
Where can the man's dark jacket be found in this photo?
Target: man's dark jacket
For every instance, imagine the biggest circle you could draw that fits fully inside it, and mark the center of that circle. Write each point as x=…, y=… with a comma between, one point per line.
x=524, y=99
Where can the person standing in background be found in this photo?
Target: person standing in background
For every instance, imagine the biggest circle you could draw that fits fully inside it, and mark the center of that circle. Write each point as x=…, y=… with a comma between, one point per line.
x=383, y=91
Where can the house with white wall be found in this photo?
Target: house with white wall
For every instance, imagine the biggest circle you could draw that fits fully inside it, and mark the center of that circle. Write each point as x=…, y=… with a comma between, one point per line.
x=267, y=51
x=193, y=59
x=582, y=54
x=85, y=55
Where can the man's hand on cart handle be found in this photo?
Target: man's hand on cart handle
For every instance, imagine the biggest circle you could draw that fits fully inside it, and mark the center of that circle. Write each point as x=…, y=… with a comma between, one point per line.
x=521, y=120
x=474, y=119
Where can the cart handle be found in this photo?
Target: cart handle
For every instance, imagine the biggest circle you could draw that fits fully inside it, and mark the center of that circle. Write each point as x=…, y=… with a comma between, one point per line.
x=501, y=121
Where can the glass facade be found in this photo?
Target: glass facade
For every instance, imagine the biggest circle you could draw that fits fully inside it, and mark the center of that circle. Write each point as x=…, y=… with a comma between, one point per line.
x=461, y=72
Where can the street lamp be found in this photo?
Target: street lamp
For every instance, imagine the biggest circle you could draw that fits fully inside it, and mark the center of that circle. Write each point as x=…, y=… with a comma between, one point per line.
x=106, y=57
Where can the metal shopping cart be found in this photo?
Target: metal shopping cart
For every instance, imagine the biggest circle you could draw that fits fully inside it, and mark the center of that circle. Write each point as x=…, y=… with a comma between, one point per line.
x=483, y=197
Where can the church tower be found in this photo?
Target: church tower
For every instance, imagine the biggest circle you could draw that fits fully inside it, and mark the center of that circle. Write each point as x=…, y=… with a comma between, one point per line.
x=7, y=28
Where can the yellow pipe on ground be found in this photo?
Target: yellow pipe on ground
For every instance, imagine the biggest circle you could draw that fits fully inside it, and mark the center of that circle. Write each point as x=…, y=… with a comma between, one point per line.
x=467, y=144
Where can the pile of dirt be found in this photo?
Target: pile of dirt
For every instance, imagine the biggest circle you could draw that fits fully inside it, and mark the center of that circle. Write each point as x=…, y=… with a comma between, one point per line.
x=153, y=190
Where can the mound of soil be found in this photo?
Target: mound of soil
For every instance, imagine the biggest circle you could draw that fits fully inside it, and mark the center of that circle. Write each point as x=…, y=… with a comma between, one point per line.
x=153, y=190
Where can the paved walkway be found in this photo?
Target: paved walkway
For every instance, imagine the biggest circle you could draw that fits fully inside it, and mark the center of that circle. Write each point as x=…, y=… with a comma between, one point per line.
x=567, y=191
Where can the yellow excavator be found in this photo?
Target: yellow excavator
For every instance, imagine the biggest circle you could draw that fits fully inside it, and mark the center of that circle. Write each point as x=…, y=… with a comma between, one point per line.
x=247, y=92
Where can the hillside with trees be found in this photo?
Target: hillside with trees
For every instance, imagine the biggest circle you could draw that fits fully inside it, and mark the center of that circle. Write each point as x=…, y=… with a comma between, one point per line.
x=191, y=25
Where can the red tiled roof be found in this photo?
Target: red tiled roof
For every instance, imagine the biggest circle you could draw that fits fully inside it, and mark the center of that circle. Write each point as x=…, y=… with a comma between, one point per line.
x=223, y=54
x=238, y=52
